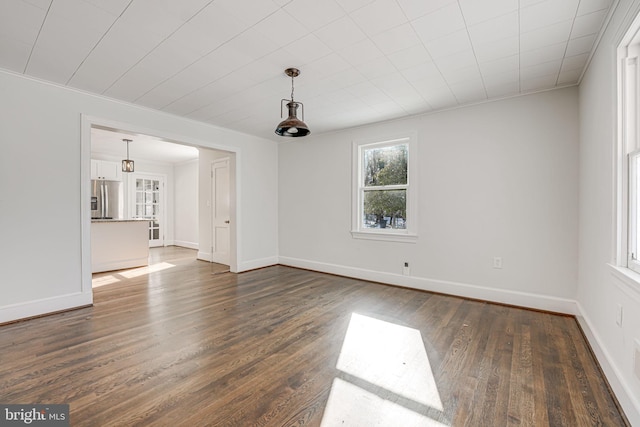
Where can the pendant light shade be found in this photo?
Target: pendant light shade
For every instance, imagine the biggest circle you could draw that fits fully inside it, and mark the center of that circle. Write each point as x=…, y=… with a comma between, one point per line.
x=292, y=126
x=127, y=165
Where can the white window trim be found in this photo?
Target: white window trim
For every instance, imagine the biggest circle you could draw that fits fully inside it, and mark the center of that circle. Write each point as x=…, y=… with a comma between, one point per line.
x=632, y=263
x=628, y=63
x=408, y=235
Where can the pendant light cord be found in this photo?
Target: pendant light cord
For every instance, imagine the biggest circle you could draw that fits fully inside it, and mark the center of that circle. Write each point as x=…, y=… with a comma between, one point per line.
x=291, y=88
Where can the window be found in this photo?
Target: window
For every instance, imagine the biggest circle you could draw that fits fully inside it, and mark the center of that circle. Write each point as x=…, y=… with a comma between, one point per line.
x=628, y=167
x=384, y=189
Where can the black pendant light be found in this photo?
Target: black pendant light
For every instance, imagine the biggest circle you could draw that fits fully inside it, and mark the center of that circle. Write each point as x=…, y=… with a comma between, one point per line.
x=292, y=126
x=127, y=165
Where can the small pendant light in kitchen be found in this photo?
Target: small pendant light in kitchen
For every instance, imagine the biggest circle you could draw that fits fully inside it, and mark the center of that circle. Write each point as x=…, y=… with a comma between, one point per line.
x=292, y=126
x=127, y=165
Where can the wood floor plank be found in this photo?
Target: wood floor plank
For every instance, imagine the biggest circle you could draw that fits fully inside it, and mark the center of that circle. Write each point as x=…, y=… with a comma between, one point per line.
x=181, y=342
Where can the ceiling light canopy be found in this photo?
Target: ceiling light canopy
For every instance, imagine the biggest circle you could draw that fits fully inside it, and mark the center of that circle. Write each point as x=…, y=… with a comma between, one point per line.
x=127, y=165
x=292, y=126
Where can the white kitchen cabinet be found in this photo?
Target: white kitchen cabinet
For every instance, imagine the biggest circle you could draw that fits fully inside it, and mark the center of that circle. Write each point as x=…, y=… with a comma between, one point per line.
x=103, y=169
x=118, y=244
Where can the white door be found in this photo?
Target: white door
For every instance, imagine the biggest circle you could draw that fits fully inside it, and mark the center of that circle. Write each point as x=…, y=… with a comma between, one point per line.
x=220, y=211
x=148, y=203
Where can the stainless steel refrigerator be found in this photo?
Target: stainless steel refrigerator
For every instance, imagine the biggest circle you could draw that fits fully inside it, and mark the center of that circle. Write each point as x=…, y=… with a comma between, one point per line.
x=107, y=200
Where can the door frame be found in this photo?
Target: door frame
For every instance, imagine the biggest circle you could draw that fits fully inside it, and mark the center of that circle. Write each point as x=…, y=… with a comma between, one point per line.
x=86, y=123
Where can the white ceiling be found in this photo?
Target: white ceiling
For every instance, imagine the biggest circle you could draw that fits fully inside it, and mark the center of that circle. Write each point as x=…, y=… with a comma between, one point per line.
x=141, y=147
x=361, y=61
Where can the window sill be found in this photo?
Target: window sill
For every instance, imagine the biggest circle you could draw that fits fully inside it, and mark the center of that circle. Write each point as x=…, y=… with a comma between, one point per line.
x=628, y=279
x=387, y=237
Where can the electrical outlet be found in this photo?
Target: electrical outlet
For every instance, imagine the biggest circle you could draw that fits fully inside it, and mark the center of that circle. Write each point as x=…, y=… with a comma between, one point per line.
x=405, y=269
x=619, y=315
x=497, y=262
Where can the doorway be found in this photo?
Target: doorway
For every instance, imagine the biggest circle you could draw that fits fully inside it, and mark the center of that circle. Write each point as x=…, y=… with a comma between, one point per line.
x=89, y=123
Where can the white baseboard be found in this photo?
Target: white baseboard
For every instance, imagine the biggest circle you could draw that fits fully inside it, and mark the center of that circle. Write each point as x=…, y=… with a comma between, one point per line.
x=521, y=299
x=257, y=263
x=629, y=402
x=185, y=244
x=205, y=256
x=43, y=306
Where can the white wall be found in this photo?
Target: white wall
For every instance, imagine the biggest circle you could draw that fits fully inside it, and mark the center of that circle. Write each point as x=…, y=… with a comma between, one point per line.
x=599, y=291
x=186, y=204
x=40, y=166
x=497, y=179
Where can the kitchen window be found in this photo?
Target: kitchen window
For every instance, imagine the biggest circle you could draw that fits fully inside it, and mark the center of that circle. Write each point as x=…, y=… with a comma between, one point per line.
x=385, y=205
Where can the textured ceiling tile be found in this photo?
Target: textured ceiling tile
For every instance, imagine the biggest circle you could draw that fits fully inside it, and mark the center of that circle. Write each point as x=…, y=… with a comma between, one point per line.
x=20, y=21
x=478, y=11
x=247, y=12
x=368, y=17
x=497, y=49
x=546, y=36
x=448, y=45
x=461, y=75
x=590, y=6
x=14, y=54
x=361, y=52
x=501, y=65
x=416, y=8
x=574, y=62
x=410, y=57
x=580, y=45
x=588, y=24
x=376, y=68
x=547, y=13
x=439, y=23
x=340, y=33
x=396, y=39
x=304, y=50
x=541, y=55
x=281, y=28
x=314, y=14
x=538, y=83
x=352, y=5
x=502, y=27
x=506, y=88
x=427, y=71
x=546, y=68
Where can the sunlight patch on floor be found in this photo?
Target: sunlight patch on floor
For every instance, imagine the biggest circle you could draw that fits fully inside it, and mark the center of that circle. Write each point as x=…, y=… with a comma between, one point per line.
x=390, y=358
x=96, y=282
x=129, y=274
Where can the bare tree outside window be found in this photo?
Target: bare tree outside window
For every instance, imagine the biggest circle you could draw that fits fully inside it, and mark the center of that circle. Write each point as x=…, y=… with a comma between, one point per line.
x=385, y=181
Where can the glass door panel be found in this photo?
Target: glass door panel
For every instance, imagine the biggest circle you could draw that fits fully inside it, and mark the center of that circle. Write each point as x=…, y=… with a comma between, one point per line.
x=147, y=200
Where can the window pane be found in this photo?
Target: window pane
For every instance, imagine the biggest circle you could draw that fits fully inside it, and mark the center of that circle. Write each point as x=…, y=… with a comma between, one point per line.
x=385, y=166
x=635, y=207
x=385, y=209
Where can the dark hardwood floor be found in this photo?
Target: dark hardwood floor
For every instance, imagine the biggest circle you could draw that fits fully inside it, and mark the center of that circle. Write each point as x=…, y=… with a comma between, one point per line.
x=184, y=343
